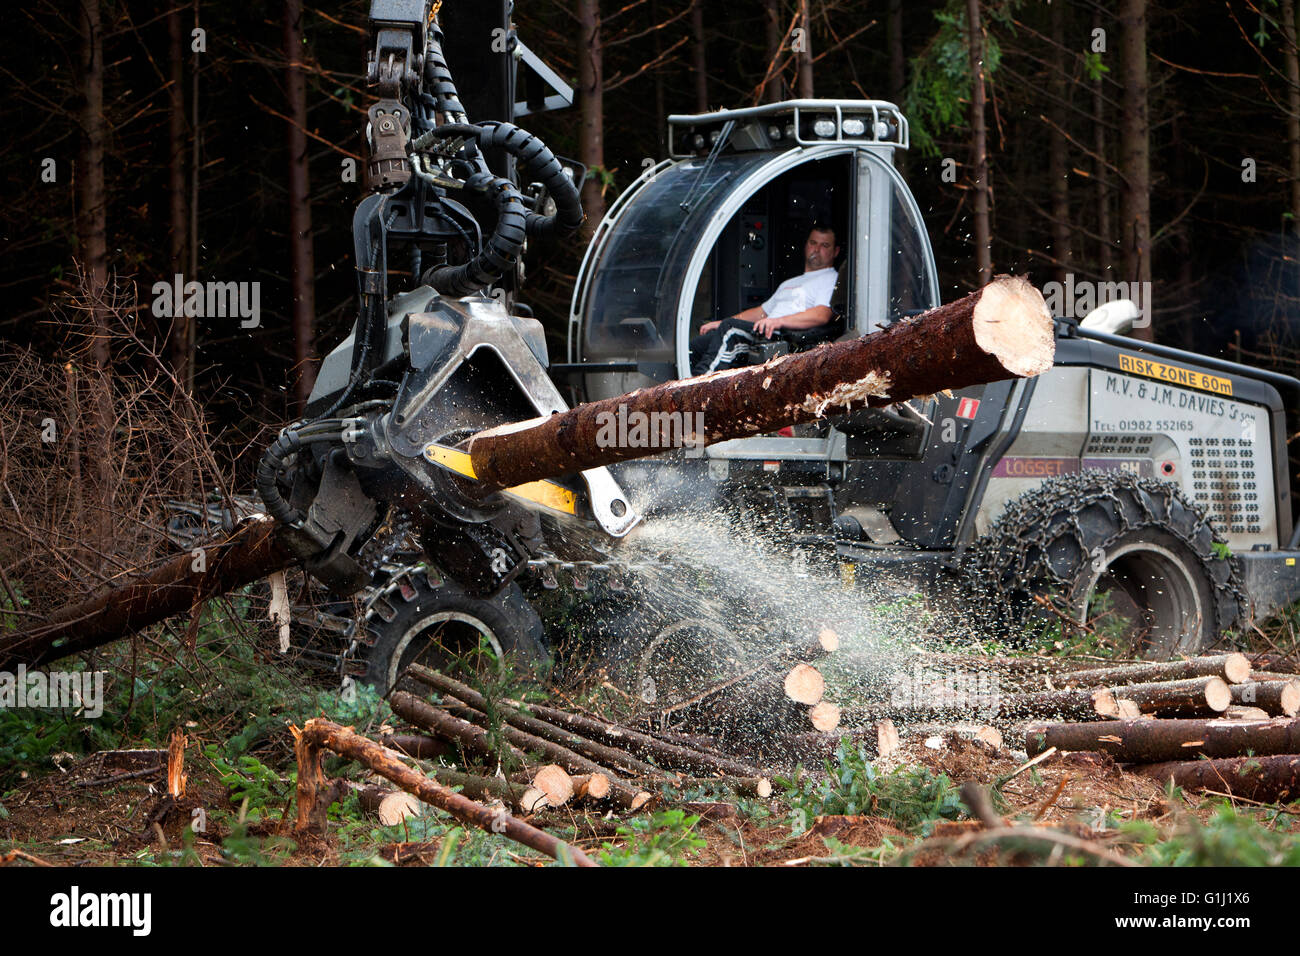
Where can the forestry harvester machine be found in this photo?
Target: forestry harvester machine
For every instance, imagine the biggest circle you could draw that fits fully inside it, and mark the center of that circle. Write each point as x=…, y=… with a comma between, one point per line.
x=1155, y=477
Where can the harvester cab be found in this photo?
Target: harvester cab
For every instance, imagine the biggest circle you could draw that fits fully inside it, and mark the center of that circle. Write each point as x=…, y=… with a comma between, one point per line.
x=1137, y=482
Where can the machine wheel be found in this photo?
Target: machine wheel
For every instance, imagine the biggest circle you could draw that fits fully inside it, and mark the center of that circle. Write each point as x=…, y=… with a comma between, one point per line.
x=421, y=616
x=1130, y=557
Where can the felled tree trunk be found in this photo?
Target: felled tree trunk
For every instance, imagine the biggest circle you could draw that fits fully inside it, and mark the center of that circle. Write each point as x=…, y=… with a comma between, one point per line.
x=998, y=332
x=1232, y=668
x=1197, y=697
x=112, y=612
x=1153, y=741
x=1273, y=779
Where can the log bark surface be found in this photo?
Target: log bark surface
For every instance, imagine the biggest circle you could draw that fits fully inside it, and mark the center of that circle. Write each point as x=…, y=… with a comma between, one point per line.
x=319, y=734
x=670, y=755
x=942, y=349
x=472, y=738
x=1278, y=698
x=1273, y=779
x=1154, y=741
x=1196, y=697
x=1232, y=668
x=613, y=758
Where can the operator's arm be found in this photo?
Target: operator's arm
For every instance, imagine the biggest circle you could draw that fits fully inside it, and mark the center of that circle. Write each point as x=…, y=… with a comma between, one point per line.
x=807, y=319
x=754, y=314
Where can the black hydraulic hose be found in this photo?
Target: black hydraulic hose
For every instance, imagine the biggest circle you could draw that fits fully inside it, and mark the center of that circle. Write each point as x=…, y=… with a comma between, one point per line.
x=274, y=458
x=537, y=163
x=499, y=253
x=438, y=76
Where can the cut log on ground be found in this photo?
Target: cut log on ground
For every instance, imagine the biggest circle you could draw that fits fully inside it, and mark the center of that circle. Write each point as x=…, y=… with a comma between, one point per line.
x=1195, y=697
x=470, y=737
x=319, y=734
x=1277, y=698
x=590, y=786
x=390, y=806
x=555, y=783
x=744, y=786
x=418, y=746
x=1274, y=779
x=1238, y=712
x=804, y=685
x=1155, y=741
x=1001, y=331
x=148, y=597
x=1231, y=668
x=824, y=716
x=667, y=752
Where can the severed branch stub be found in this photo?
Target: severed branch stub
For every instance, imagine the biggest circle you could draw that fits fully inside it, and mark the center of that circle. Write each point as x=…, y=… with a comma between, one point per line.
x=1001, y=331
x=319, y=734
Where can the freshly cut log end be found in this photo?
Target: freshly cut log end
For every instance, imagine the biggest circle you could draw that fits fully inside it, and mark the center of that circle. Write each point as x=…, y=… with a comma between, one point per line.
x=594, y=786
x=1127, y=709
x=804, y=685
x=1238, y=712
x=991, y=736
x=1236, y=668
x=391, y=807
x=886, y=738
x=533, y=800
x=1013, y=324
x=829, y=640
x=640, y=800
x=763, y=789
x=824, y=715
x=555, y=783
x=1218, y=695
x=1105, y=703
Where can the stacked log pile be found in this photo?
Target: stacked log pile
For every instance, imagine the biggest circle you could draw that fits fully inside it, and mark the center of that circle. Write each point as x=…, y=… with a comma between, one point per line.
x=556, y=757
x=1213, y=724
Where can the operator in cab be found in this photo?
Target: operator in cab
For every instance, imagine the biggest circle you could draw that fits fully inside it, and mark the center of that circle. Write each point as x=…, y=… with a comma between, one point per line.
x=803, y=302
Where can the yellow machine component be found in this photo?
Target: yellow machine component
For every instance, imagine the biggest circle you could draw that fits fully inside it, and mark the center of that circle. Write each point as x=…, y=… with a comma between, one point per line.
x=545, y=493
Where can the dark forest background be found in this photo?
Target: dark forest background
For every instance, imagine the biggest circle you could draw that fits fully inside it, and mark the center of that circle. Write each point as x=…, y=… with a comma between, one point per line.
x=1124, y=140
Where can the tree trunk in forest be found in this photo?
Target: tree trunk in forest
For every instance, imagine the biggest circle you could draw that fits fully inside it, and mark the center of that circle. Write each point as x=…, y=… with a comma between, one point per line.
x=301, y=258
x=1292, y=60
x=196, y=144
x=1058, y=168
x=1135, y=152
x=178, y=345
x=897, y=68
x=995, y=333
x=1101, y=175
x=699, y=58
x=591, y=135
x=94, y=213
x=979, y=144
x=805, y=51
x=774, y=88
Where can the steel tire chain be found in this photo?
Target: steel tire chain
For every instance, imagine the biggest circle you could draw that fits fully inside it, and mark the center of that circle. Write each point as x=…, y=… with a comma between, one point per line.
x=1013, y=554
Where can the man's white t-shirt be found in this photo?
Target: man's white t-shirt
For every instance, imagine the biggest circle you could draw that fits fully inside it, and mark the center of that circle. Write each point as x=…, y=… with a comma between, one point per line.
x=802, y=292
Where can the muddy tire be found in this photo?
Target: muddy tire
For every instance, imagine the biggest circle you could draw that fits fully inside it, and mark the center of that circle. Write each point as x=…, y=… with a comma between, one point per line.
x=420, y=615
x=1107, y=544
